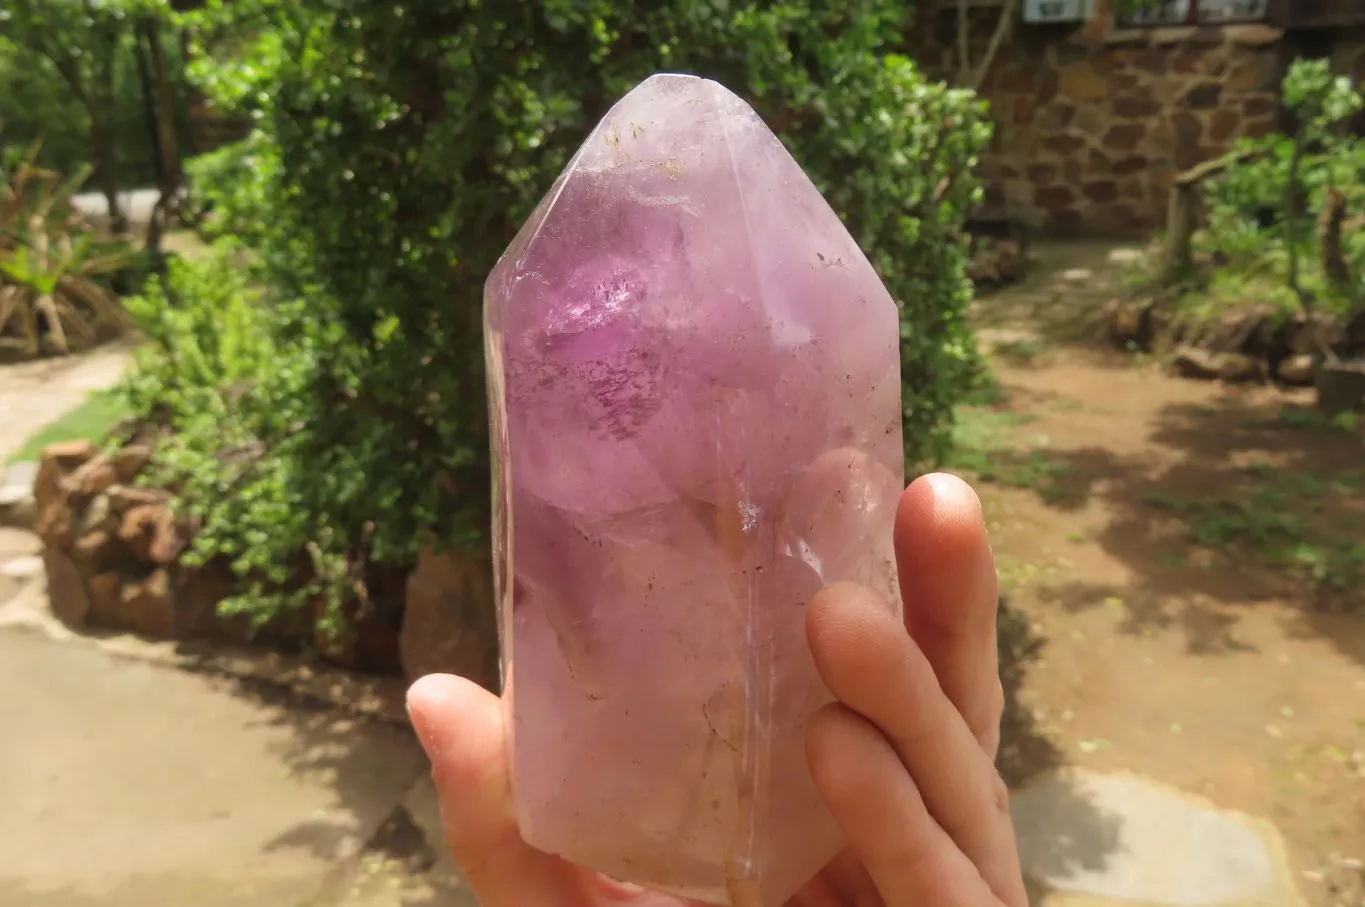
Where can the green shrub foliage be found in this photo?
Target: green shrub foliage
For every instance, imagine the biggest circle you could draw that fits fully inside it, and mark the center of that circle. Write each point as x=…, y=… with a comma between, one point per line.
x=397, y=148
x=1263, y=213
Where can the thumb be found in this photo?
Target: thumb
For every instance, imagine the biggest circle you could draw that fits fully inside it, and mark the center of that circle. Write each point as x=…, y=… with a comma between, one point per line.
x=464, y=732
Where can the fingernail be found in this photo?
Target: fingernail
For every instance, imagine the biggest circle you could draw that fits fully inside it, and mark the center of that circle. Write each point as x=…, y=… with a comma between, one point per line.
x=416, y=716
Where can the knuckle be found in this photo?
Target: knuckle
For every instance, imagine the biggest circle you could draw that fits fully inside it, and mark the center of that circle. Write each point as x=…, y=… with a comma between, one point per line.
x=1000, y=795
x=988, y=730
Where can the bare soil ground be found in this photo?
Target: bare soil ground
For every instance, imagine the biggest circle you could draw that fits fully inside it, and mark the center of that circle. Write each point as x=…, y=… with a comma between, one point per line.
x=1184, y=572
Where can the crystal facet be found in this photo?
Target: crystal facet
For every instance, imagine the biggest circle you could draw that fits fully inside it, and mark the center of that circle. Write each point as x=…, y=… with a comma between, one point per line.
x=695, y=392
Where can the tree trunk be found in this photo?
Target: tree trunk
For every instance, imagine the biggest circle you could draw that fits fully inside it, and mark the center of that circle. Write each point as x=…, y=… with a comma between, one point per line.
x=1180, y=226
x=104, y=156
x=165, y=111
x=160, y=94
x=1289, y=220
x=103, y=148
x=1334, y=261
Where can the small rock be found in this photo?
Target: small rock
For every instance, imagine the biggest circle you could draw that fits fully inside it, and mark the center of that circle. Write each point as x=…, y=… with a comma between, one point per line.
x=1129, y=324
x=131, y=460
x=69, y=600
x=70, y=455
x=125, y=497
x=138, y=528
x=49, y=487
x=1126, y=256
x=97, y=548
x=1192, y=362
x=54, y=523
x=150, y=531
x=1077, y=275
x=1236, y=368
x=167, y=540
x=449, y=625
x=95, y=477
x=147, y=605
x=106, y=598
x=1297, y=371
x=96, y=514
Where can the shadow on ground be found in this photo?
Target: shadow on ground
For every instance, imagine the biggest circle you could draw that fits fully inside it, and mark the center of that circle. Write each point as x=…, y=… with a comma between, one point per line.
x=324, y=744
x=1244, y=499
x=1027, y=754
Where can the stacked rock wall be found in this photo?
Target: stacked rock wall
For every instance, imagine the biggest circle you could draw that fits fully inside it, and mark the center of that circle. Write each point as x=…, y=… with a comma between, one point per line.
x=1094, y=122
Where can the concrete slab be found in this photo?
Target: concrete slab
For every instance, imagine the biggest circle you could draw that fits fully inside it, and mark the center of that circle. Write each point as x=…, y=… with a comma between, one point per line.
x=1094, y=840
x=126, y=784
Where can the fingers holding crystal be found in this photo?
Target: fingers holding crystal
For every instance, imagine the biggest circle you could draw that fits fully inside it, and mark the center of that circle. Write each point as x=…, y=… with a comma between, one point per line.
x=462, y=729
x=874, y=669
x=948, y=583
x=909, y=857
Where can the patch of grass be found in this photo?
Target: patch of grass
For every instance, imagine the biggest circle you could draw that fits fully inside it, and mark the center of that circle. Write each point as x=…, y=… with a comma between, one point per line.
x=91, y=421
x=1311, y=419
x=987, y=445
x=1252, y=282
x=1021, y=352
x=1281, y=519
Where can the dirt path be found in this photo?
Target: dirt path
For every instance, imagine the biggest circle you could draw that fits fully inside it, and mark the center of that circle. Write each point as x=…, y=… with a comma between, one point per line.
x=1184, y=564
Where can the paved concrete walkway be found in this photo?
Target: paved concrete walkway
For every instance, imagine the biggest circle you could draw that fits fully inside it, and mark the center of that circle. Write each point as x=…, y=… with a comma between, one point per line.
x=127, y=780
x=131, y=784
x=33, y=394
x=1091, y=839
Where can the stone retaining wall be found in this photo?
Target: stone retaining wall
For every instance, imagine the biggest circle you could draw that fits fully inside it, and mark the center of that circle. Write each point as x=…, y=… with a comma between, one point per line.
x=1093, y=122
x=112, y=553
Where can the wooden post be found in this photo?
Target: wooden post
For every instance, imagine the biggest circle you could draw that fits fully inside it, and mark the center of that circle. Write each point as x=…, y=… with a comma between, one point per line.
x=1181, y=223
x=1180, y=226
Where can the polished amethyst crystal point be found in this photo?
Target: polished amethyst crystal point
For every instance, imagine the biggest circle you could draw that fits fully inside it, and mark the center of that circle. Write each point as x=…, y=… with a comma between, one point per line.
x=695, y=391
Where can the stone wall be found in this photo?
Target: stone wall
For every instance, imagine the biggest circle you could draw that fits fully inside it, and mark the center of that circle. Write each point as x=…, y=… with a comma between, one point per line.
x=112, y=553
x=1091, y=129
x=1094, y=121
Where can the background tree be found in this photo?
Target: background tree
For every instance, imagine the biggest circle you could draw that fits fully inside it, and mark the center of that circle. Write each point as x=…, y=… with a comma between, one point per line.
x=70, y=75
x=80, y=39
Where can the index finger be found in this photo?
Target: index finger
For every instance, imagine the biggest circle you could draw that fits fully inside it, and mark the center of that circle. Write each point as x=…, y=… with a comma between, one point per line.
x=949, y=587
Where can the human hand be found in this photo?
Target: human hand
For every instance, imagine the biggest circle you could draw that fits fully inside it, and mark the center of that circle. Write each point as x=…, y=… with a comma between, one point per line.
x=904, y=759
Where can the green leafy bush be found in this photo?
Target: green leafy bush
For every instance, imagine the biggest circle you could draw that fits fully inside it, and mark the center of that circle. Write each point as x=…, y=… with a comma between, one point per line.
x=1262, y=223
x=397, y=148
